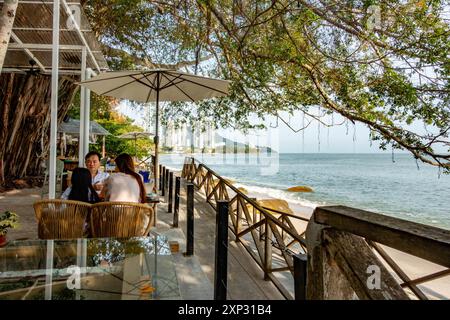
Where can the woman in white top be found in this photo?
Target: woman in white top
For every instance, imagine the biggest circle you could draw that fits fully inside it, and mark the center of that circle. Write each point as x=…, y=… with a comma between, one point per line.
x=126, y=185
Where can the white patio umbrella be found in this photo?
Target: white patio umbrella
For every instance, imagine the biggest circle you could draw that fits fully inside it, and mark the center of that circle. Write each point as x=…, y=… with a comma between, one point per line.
x=135, y=135
x=156, y=85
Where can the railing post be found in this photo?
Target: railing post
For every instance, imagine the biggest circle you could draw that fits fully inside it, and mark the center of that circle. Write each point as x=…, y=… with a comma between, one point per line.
x=300, y=271
x=163, y=182
x=221, y=256
x=190, y=220
x=183, y=171
x=267, y=251
x=160, y=177
x=192, y=177
x=169, y=207
x=177, y=201
x=166, y=180
x=238, y=218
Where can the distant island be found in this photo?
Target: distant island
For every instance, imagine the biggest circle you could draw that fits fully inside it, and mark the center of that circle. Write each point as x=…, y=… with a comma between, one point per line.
x=224, y=145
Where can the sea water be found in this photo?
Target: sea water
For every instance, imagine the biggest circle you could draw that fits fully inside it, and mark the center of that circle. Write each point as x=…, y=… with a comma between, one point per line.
x=394, y=185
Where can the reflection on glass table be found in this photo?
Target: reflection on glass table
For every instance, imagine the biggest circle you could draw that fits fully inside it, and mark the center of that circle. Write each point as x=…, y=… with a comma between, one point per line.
x=101, y=269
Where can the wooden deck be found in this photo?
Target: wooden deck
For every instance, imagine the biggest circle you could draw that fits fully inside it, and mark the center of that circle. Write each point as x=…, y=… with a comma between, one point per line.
x=245, y=278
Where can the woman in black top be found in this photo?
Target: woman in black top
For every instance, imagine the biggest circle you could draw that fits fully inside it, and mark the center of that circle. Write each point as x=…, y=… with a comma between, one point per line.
x=82, y=189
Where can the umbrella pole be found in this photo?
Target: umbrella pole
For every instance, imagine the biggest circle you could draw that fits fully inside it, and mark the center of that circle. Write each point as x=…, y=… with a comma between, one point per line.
x=156, y=167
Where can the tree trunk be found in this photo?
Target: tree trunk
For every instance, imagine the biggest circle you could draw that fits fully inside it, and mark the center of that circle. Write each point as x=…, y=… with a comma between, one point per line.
x=25, y=122
x=6, y=23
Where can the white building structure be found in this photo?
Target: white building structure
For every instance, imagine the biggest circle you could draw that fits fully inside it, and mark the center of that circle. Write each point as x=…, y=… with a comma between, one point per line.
x=184, y=138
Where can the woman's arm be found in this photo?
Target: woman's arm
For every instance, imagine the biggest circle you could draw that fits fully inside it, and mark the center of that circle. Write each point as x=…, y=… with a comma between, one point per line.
x=65, y=195
x=104, y=194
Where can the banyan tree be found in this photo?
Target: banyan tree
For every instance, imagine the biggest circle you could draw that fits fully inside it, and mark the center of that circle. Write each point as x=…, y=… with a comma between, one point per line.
x=25, y=80
x=25, y=121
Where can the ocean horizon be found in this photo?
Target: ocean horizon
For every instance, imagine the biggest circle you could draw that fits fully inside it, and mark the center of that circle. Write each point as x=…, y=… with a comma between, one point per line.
x=392, y=184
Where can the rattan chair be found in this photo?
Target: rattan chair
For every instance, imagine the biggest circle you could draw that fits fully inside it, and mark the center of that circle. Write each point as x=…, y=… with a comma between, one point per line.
x=61, y=219
x=121, y=219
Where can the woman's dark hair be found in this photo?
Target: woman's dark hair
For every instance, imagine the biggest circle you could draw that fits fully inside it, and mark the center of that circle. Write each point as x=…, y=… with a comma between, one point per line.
x=81, y=185
x=125, y=164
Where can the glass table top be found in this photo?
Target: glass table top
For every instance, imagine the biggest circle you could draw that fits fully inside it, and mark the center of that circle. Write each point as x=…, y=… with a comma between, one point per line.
x=139, y=268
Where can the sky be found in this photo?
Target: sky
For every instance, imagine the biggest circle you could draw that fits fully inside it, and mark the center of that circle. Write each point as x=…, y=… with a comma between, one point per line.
x=336, y=139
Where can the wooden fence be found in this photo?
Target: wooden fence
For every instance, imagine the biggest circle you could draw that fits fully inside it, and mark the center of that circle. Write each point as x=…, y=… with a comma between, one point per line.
x=344, y=245
x=265, y=233
x=347, y=257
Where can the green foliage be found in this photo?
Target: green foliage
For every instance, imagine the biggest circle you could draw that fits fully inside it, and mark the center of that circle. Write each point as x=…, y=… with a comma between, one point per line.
x=104, y=113
x=101, y=107
x=8, y=220
x=116, y=146
x=293, y=55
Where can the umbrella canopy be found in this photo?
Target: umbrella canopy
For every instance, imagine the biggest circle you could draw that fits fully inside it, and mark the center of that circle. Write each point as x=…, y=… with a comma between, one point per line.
x=156, y=85
x=72, y=126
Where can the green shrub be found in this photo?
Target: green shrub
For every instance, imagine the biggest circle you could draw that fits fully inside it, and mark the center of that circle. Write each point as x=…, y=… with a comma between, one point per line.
x=8, y=220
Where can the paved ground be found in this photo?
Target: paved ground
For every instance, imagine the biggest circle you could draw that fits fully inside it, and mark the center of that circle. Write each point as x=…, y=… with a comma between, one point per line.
x=21, y=202
x=245, y=278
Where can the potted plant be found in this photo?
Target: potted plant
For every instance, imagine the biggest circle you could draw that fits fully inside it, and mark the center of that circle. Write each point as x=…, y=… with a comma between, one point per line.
x=8, y=220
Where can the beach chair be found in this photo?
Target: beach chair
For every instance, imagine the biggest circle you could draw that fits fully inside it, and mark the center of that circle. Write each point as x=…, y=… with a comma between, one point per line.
x=61, y=219
x=121, y=219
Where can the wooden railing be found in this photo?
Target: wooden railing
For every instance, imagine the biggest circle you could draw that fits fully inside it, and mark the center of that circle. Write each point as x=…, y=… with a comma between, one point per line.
x=345, y=246
x=268, y=235
x=342, y=263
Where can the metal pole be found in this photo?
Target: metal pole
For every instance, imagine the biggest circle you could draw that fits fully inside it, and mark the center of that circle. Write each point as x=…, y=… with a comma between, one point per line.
x=300, y=267
x=160, y=178
x=54, y=102
x=87, y=116
x=169, y=210
x=163, y=189
x=177, y=201
x=156, y=132
x=190, y=220
x=166, y=180
x=82, y=110
x=221, y=256
x=103, y=147
x=49, y=270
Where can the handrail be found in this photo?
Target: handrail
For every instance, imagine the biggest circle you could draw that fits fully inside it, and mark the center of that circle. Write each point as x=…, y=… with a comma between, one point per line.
x=286, y=214
x=251, y=201
x=333, y=232
x=243, y=195
x=430, y=243
x=269, y=234
x=330, y=224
